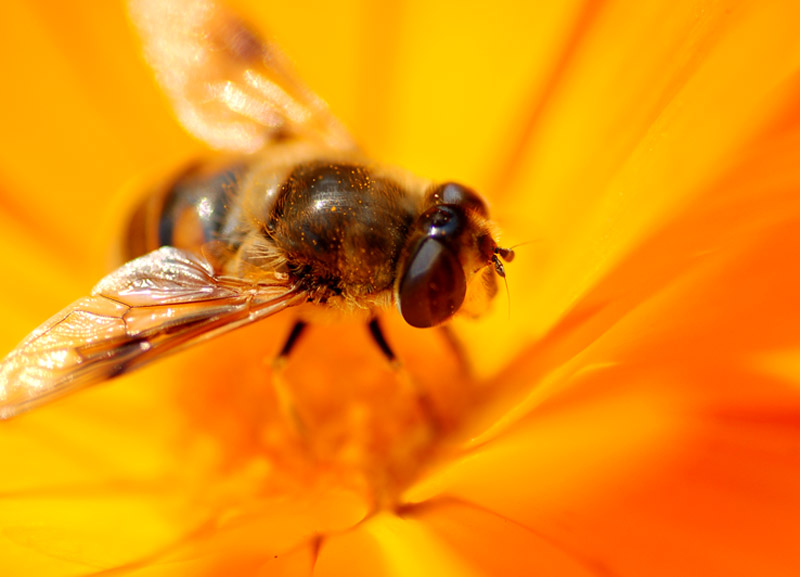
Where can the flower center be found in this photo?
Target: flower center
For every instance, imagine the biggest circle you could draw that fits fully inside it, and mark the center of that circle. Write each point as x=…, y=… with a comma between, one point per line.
x=355, y=424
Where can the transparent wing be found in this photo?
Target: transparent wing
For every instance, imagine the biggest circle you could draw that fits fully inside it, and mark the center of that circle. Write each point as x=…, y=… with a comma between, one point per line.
x=227, y=86
x=151, y=306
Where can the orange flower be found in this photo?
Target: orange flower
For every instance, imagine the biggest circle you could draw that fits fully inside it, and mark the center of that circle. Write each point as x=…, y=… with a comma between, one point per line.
x=637, y=415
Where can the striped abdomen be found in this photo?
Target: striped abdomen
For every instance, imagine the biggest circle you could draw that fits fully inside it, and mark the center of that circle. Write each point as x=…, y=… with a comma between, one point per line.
x=187, y=213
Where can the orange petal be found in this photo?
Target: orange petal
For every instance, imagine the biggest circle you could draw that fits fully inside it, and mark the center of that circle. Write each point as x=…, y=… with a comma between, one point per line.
x=656, y=102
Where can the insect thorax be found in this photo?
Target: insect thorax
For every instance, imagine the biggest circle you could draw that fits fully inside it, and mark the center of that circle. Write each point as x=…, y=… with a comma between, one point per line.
x=341, y=227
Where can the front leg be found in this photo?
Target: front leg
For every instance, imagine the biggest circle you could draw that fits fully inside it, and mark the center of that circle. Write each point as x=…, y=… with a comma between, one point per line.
x=405, y=378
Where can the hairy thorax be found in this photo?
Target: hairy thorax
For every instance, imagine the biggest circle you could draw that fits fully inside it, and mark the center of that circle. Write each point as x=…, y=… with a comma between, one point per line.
x=340, y=228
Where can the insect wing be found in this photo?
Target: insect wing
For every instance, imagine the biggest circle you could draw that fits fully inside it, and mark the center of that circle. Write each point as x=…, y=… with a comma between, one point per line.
x=228, y=87
x=151, y=306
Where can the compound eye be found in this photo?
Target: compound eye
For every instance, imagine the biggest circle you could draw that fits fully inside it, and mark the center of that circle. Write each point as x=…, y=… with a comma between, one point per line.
x=442, y=222
x=433, y=286
x=460, y=195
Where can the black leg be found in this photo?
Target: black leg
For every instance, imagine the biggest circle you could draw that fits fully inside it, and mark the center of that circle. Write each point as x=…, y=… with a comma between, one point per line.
x=283, y=392
x=297, y=330
x=380, y=340
x=457, y=347
x=405, y=378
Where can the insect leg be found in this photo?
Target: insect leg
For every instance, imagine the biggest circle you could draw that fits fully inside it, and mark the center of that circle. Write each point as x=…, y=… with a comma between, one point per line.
x=297, y=330
x=456, y=346
x=380, y=340
x=423, y=399
x=283, y=395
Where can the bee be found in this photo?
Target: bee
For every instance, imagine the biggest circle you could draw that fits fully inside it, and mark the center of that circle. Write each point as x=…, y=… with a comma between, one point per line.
x=291, y=215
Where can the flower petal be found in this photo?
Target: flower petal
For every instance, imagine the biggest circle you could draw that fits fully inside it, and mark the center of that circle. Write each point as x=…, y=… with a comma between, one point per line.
x=646, y=116
x=654, y=422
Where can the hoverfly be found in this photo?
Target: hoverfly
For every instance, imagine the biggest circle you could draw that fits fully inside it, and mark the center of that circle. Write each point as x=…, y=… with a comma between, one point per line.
x=293, y=215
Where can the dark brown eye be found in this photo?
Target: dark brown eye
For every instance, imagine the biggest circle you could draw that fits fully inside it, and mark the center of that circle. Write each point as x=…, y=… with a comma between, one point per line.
x=459, y=195
x=433, y=286
x=443, y=222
